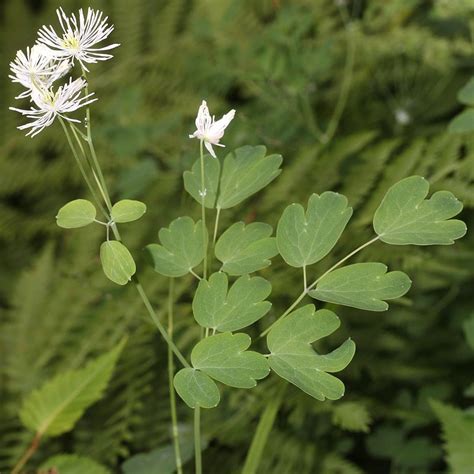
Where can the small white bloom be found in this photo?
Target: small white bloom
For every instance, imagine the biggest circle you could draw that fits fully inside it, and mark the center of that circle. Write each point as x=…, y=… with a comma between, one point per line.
x=402, y=116
x=208, y=130
x=79, y=36
x=50, y=104
x=36, y=69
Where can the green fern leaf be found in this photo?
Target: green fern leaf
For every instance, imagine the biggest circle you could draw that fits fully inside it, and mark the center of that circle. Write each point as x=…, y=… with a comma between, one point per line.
x=351, y=416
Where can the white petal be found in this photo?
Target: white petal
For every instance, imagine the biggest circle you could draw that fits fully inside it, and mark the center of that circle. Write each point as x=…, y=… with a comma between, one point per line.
x=210, y=149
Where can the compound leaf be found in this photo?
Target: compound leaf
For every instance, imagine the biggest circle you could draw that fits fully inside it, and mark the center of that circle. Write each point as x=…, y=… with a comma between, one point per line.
x=127, y=210
x=362, y=285
x=182, y=247
x=55, y=407
x=304, y=238
x=246, y=248
x=117, y=262
x=246, y=171
x=225, y=358
x=192, y=181
x=216, y=307
x=404, y=217
x=293, y=358
x=77, y=213
x=196, y=388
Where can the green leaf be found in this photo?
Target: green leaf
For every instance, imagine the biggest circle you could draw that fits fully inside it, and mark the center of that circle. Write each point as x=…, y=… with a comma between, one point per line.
x=351, y=416
x=463, y=122
x=217, y=308
x=72, y=464
x=246, y=171
x=182, y=248
x=127, y=210
x=404, y=217
x=294, y=359
x=466, y=94
x=458, y=434
x=225, y=358
x=306, y=238
x=468, y=327
x=246, y=248
x=117, y=262
x=196, y=388
x=362, y=285
x=77, y=213
x=55, y=407
x=192, y=181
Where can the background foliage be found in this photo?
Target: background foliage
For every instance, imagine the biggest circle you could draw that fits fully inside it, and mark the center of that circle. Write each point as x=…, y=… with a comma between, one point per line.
x=391, y=71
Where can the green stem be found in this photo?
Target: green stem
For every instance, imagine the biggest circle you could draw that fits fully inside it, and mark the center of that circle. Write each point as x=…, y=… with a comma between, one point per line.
x=203, y=207
x=197, y=439
x=216, y=226
x=310, y=287
x=174, y=416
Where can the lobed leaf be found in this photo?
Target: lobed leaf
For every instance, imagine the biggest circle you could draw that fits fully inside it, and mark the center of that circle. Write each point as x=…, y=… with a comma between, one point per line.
x=404, y=217
x=246, y=248
x=304, y=238
x=117, y=262
x=216, y=307
x=55, y=407
x=225, y=358
x=362, y=285
x=182, y=247
x=77, y=213
x=127, y=210
x=246, y=171
x=196, y=388
x=192, y=181
x=293, y=358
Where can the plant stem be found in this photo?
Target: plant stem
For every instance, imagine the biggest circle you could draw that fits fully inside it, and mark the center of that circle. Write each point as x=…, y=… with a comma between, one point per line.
x=197, y=439
x=203, y=208
x=310, y=287
x=305, y=279
x=216, y=226
x=174, y=417
x=28, y=453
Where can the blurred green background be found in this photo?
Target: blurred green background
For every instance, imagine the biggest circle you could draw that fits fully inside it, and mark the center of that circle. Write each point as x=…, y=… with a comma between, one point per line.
x=355, y=95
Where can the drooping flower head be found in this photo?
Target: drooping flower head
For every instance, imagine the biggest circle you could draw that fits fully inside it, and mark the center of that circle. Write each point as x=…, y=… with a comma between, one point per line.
x=36, y=69
x=208, y=130
x=79, y=36
x=49, y=104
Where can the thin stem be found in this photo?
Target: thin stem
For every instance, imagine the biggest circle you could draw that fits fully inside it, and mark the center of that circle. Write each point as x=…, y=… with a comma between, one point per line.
x=197, y=439
x=174, y=416
x=216, y=226
x=203, y=208
x=310, y=287
x=194, y=274
x=28, y=453
x=305, y=279
x=81, y=168
x=158, y=324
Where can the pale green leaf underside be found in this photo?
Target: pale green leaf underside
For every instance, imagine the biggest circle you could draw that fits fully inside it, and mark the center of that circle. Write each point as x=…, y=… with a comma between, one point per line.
x=216, y=307
x=72, y=464
x=117, y=262
x=463, y=123
x=466, y=94
x=77, y=213
x=196, y=388
x=55, y=407
x=304, y=238
x=225, y=358
x=458, y=434
x=246, y=171
x=293, y=358
x=127, y=210
x=246, y=248
x=192, y=181
x=363, y=286
x=404, y=217
x=182, y=248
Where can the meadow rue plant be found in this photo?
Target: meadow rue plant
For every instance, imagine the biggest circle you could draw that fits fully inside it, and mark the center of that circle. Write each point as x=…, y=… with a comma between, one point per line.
x=227, y=298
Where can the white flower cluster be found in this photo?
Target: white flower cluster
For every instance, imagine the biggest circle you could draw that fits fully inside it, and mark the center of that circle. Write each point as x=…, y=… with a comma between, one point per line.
x=52, y=58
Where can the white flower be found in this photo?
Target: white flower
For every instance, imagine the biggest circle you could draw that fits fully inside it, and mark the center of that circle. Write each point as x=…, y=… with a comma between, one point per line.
x=50, y=104
x=208, y=130
x=78, y=37
x=36, y=69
